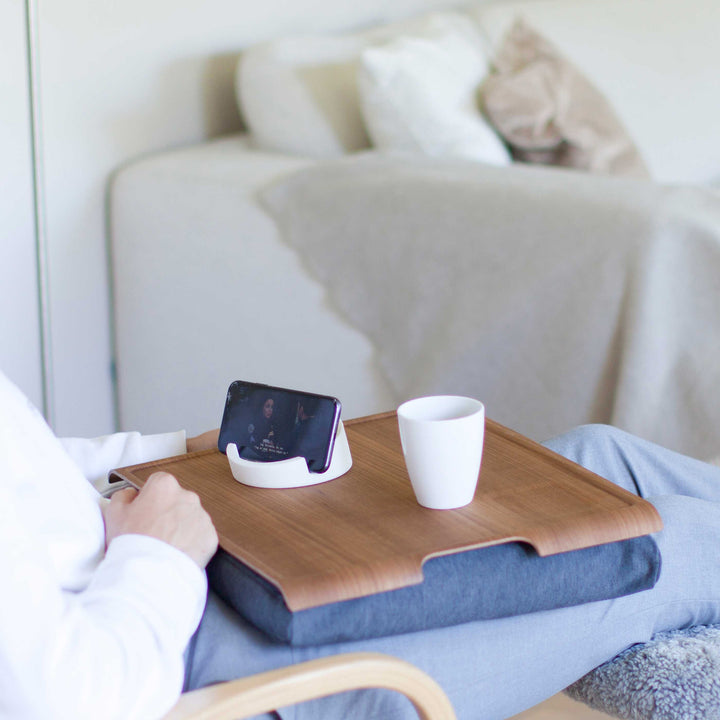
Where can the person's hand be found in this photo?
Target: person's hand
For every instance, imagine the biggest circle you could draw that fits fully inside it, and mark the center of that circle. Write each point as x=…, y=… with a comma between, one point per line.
x=205, y=441
x=163, y=510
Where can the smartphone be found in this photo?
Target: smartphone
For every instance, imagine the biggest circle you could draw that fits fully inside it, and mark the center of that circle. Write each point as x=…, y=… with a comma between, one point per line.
x=270, y=423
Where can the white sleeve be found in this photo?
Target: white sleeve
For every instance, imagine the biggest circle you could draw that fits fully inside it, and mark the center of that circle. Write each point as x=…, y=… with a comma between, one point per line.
x=97, y=456
x=113, y=650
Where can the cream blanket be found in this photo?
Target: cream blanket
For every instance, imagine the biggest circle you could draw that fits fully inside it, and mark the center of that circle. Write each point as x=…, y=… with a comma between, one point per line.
x=556, y=297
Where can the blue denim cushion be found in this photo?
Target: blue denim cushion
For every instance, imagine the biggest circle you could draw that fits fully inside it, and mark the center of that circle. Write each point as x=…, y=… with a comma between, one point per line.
x=491, y=582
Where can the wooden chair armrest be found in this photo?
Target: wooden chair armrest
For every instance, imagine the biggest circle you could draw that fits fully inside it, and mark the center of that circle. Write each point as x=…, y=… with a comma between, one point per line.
x=268, y=691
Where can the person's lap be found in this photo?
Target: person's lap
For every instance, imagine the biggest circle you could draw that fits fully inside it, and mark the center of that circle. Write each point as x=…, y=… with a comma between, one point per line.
x=493, y=669
x=637, y=465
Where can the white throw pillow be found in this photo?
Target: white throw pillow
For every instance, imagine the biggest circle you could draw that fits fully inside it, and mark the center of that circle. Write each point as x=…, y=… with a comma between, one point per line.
x=655, y=61
x=299, y=94
x=419, y=94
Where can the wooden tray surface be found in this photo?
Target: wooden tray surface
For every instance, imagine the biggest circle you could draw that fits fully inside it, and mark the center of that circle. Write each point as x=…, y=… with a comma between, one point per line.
x=365, y=533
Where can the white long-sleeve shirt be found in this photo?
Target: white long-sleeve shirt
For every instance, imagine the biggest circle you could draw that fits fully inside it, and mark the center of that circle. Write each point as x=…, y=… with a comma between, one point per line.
x=84, y=633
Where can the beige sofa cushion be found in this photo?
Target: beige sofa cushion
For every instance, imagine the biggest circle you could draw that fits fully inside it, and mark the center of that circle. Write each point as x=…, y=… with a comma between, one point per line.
x=298, y=94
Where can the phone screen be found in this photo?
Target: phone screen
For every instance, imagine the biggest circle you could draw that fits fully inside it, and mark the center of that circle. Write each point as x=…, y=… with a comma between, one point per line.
x=270, y=423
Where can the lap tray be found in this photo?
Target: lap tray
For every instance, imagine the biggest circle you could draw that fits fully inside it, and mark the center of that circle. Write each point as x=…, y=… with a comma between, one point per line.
x=357, y=557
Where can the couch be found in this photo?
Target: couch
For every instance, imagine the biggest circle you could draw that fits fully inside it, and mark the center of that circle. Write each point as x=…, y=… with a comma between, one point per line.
x=374, y=235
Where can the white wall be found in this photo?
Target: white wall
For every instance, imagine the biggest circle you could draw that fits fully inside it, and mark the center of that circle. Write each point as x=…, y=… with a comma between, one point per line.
x=120, y=79
x=19, y=327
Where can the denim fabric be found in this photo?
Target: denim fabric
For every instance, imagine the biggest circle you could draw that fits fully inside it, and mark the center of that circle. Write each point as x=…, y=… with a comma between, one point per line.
x=493, y=669
x=491, y=582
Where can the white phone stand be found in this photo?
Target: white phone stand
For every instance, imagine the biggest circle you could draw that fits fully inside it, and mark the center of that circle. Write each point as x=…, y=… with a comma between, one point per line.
x=290, y=473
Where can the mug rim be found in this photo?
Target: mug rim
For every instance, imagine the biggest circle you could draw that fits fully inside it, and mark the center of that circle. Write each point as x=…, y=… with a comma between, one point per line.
x=420, y=409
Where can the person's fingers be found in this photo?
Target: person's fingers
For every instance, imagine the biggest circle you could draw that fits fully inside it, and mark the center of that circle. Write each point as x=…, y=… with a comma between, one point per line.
x=162, y=478
x=124, y=496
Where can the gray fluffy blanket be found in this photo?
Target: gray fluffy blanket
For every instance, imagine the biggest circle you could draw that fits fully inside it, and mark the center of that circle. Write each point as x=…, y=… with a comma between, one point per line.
x=675, y=676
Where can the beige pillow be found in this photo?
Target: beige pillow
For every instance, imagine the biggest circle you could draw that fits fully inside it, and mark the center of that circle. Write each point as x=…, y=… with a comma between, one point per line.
x=548, y=112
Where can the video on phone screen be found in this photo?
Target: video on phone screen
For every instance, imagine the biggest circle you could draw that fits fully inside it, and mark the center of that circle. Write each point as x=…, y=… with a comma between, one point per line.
x=268, y=424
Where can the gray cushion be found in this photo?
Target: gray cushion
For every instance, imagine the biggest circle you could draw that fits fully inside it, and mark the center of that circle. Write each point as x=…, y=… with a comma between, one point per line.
x=490, y=582
x=674, y=676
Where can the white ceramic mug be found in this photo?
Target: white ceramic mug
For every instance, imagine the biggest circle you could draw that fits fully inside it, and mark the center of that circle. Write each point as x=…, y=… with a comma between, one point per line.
x=442, y=440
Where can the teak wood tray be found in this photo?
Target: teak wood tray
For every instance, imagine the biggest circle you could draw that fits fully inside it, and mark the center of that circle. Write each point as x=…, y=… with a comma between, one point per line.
x=365, y=533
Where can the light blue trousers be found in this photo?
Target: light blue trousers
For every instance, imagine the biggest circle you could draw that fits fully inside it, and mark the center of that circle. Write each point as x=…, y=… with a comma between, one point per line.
x=496, y=668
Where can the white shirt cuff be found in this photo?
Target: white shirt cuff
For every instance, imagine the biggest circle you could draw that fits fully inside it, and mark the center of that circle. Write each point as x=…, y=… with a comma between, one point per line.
x=97, y=456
